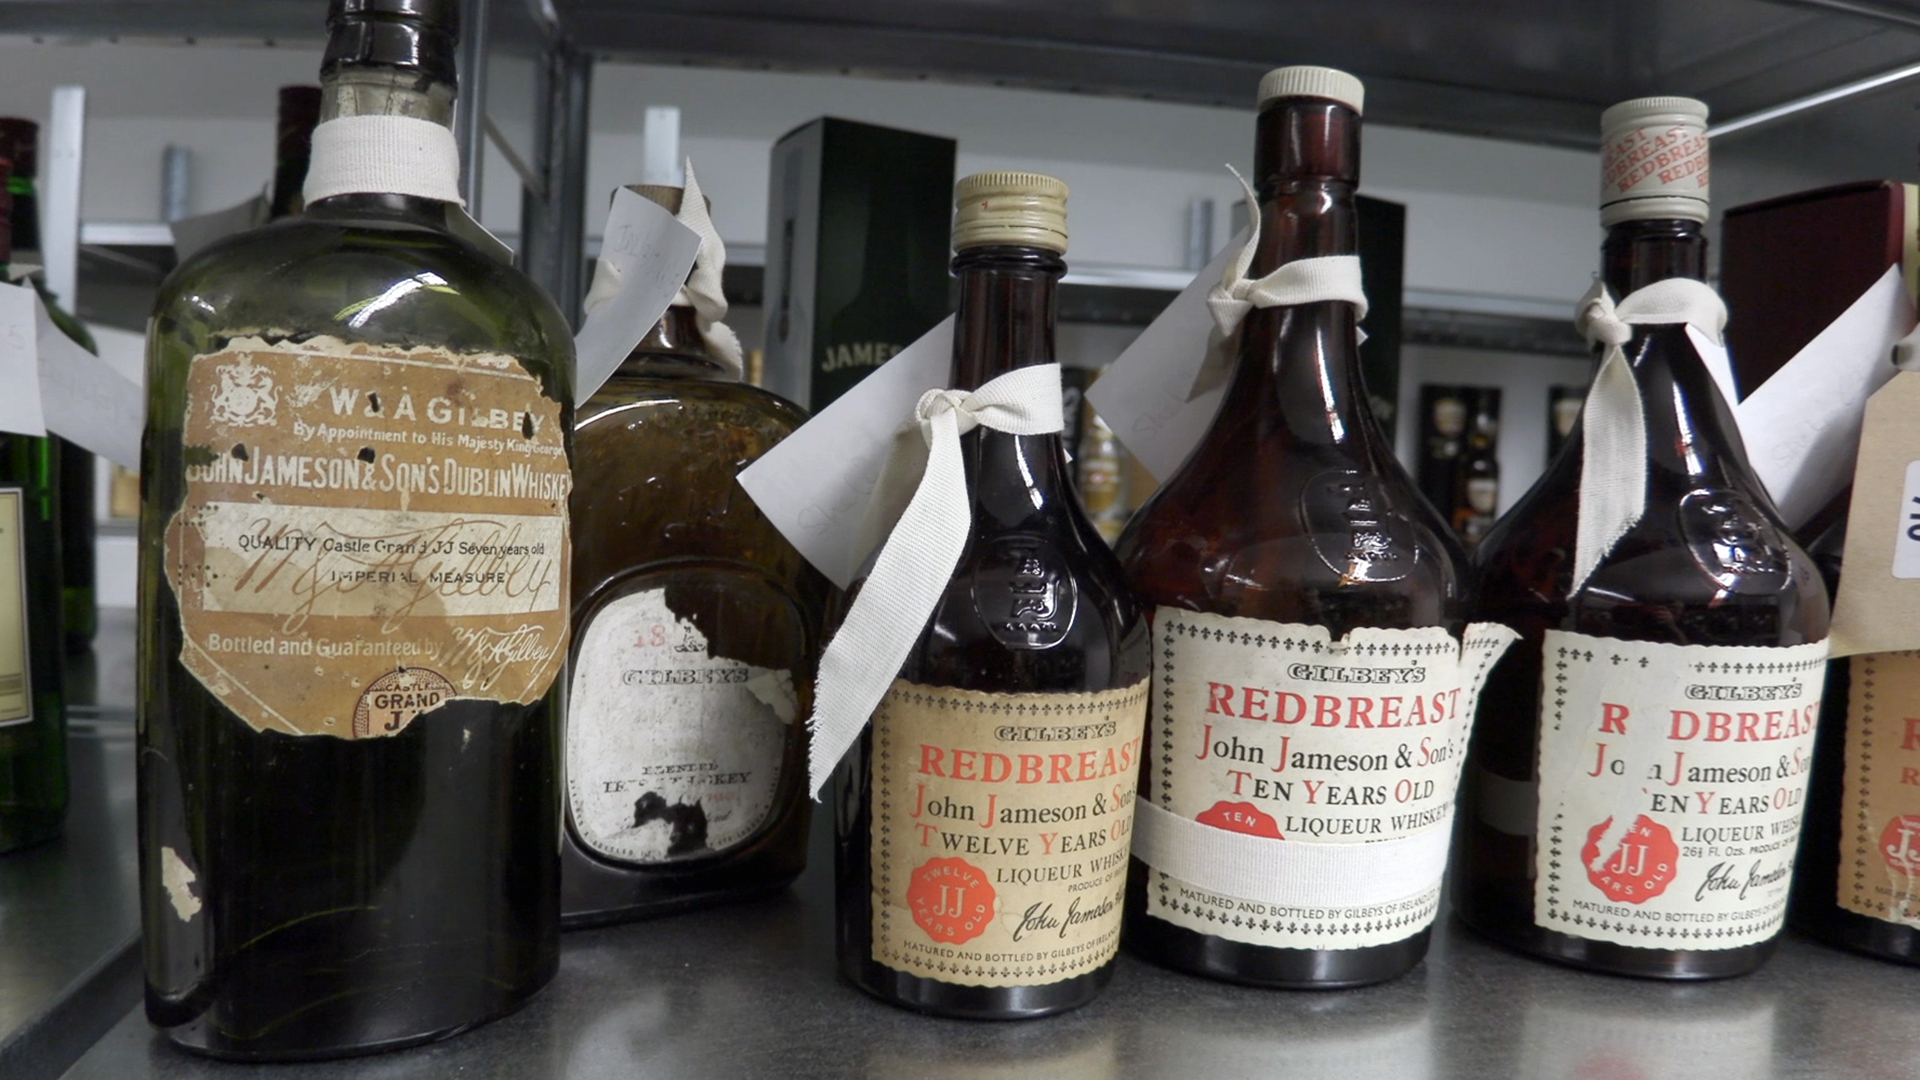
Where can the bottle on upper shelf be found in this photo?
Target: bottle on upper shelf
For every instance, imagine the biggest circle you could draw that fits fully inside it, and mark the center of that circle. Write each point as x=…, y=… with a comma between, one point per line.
x=33, y=726
x=696, y=628
x=353, y=595
x=1020, y=702
x=1639, y=762
x=1290, y=566
x=1476, y=492
x=299, y=114
x=19, y=143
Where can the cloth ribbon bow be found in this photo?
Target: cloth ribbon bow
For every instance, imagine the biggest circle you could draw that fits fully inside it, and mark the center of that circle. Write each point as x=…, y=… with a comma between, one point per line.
x=1302, y=281
x=1613, y=462
x=917, y=559
x=702, y=290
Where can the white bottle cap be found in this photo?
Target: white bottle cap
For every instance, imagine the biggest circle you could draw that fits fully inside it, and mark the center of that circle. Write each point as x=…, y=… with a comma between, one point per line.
x=1313, y=82
x=1018, y=208
x=1653, y=160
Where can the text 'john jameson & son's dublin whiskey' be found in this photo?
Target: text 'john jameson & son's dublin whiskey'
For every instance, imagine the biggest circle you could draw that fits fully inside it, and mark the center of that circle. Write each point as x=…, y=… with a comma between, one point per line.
x=1641, y=756
x=983, y=817
x=354, y=595
x=1308, y=612
x=696, y=626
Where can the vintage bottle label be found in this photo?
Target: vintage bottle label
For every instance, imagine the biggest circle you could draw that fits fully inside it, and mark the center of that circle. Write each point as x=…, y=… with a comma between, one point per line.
x=1001, y=825
x=1277, y=730
x=672, y=752
x=1672, y=780
x=1880, y=796
x=368, y=533
x=16, y=674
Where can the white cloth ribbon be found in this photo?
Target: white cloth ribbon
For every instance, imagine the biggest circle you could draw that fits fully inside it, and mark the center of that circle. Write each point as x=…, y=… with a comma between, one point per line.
x=702, y=291
x=1613, y=464
x=914, y=565
x=1302, y=281
x=397, y=155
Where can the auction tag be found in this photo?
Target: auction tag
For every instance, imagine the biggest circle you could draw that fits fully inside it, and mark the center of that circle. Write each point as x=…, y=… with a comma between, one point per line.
x=190, y=234
x=20, y=410
x=1878, y=609
x=650, y=254
x=816, y=484
x=86, y=400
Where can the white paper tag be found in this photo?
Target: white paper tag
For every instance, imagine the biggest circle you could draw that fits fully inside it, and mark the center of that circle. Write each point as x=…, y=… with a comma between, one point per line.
x=1906, y=546
x=468, y=228
x=1802, y=426
x=1143, y=394
x=86, y=400
x=190, y=234
x=1713, y=354
x=816, y=484
x=20, y=410
x=652, y=253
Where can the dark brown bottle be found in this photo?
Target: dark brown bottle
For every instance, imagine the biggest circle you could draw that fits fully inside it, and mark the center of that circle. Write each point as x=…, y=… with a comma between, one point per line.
x=1035, y=652
x=1290, y=525
x=696, y=627
x=1663, y=641
x=299, y=114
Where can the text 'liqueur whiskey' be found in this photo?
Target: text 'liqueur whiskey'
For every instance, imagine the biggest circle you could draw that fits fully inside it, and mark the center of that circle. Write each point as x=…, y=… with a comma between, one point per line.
x=33, y=725
x=1641, y=757
x=353, y=595
x=696, y=625
x=983, y=819
x=1308, y=609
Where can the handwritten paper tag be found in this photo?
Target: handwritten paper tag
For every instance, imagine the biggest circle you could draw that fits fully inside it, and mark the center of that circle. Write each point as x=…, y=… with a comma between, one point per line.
x=651, y=253
x=1143, y=394
x=815, y=485
x=86, y=400
x=20, y=411
x=1802, y=426
x=190, y=234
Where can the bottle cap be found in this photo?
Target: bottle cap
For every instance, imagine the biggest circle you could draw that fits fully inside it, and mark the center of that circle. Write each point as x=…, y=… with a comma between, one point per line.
x=1653, y=160
x=1016, y=208
x=663, y=194
x=18, y=139
x=1313, y=82
x=419, y=35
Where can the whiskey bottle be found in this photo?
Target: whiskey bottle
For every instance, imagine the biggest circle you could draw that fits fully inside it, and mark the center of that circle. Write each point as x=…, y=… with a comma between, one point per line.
x=982, y=819
x=298, y=114
x=353, y=595
x=1476, y=493
x=33, y=726
x=696, y=627
x=80, y=614
x=1640, y=758
x=1291, y=567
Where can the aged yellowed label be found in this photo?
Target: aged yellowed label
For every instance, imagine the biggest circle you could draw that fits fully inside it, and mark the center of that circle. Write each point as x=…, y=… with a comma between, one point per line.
x=1880, y=796
x=1001, y=827
x=16, y=676
x=368, y=533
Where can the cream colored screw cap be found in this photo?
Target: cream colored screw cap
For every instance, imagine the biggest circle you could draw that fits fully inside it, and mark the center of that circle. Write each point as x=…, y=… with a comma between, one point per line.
x=1017, y=208
x=1654, y=160
x=1313, y=82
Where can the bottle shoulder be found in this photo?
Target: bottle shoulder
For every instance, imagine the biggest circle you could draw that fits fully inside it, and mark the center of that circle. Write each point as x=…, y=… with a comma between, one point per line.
x=715, y=396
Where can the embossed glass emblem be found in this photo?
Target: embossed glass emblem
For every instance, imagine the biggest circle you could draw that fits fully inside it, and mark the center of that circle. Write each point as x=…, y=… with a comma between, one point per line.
x=1353, y=532
x=1023, y=592
x=1733, y=542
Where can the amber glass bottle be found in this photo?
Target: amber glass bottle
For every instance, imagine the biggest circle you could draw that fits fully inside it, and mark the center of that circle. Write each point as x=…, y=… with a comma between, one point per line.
x=1291, y=525
x=696, y=627
x=981, y=820
x=1677, y=684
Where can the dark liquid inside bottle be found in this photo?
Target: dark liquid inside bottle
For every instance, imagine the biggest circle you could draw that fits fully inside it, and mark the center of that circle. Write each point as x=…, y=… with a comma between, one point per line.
x=656, y=510
x=1235, y=531
x=1658, y=584
x=1021, y=492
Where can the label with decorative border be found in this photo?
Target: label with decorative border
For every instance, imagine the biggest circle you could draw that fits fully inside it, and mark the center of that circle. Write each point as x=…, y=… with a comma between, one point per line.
x=1001, y=825
x=672, y=752
x=16, y=667
x=1880, y=794
x=368, y=533
x=1277, y=730
x=1672, y=780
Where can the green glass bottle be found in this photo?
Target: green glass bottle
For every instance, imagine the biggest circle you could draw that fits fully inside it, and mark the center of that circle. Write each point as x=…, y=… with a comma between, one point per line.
x=33, y=725
x=354, y=596
x=19, y=143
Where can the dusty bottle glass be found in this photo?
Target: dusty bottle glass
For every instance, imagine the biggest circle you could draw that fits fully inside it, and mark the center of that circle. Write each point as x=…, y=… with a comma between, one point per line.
x=353, y=599
x=33, y=724
x=1036, y=622
x=1291, y=513
x=696, y=630
x=1708, y=575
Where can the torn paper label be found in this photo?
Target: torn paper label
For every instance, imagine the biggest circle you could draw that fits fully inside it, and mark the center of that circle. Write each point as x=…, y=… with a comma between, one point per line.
x=646, y=254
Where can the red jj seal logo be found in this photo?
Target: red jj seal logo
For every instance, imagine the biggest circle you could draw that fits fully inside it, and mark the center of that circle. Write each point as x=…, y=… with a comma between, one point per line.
x=950, y=900
x=1642, y=866
x=1900, y=843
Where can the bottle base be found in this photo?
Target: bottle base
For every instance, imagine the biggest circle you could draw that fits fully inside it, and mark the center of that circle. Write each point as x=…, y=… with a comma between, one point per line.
x=957, y=1002
x=1190, y=952
x=27, y=828
x=1607, y=958
x=202, y=1039
x=671, y=905
x=1861, y=934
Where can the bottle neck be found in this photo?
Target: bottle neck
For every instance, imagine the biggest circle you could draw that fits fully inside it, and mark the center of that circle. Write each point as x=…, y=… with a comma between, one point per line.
x=381, y=90
x=1301, y=364
x=1636, y=254
x=673, y=349
x=1007, y=311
